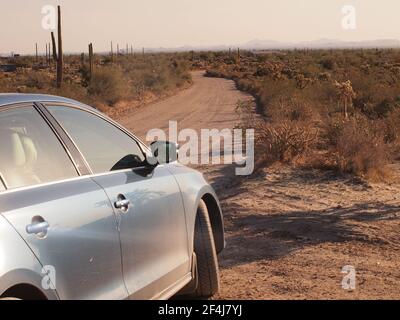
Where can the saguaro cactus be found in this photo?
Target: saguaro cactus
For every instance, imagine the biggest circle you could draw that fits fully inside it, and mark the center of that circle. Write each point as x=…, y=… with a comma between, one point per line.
x=53, y=41
x=90, y=61
x=60, y=52
x=58, y=57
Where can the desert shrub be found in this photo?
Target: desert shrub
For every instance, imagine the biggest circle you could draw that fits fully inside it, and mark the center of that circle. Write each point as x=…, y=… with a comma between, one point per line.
x=37, y=80
x=214, y=73
x=324, y=76
x=73, y=91
x=332, y=129
x=290, y=108
x=5, y=84
x=284, y=141
x=295, y=92
x=108, y=84
x=391, y=128
x=329, y=63
x=361, y=149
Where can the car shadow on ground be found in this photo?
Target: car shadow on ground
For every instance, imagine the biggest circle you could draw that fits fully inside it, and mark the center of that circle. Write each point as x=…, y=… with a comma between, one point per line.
x=255, y=234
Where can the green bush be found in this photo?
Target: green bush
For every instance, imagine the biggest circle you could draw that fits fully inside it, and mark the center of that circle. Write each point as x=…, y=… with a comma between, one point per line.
x=108, y=84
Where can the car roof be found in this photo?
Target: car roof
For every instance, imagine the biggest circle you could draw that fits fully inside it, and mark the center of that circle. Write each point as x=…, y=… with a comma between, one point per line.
x=14, y=98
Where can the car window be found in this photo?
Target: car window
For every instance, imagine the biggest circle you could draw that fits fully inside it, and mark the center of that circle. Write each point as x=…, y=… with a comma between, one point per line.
x=105, y=147
x=30, y=153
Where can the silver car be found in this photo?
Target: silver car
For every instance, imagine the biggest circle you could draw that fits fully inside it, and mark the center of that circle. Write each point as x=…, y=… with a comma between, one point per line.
x=87, y=211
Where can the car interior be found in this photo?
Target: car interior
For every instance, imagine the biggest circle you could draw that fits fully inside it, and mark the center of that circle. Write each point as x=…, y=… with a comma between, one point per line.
x=18, y=158
x=29, y=152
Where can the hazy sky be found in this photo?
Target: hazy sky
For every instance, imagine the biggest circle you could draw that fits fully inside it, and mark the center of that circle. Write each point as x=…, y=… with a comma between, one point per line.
x=174, y=23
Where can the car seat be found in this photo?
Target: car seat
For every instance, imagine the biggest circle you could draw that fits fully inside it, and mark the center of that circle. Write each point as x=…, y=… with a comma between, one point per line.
x=18, y=156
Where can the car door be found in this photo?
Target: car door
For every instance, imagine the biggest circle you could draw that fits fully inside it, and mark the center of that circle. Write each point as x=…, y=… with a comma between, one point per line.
x=64, y=217
x=152, y=225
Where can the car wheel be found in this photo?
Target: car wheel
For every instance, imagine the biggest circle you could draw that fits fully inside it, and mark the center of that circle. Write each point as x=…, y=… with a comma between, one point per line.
x=206, y=254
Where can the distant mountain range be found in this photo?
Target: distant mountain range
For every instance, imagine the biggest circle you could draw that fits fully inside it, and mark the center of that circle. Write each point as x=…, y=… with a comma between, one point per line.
x=258, y=44
x=322, y=44
x=272, y=44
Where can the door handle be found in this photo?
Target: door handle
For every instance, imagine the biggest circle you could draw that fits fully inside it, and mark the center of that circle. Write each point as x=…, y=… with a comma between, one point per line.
x=122, y=203
x=40, y=228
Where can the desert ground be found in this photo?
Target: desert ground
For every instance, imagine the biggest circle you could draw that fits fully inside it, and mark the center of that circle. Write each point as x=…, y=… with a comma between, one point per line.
x=289, y=231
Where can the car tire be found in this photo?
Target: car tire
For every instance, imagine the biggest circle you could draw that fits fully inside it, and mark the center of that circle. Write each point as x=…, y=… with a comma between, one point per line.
x=206, y=254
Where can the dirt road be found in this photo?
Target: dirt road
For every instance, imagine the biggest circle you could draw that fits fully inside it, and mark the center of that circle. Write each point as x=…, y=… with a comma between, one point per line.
x=289, y=231
x=209, y=103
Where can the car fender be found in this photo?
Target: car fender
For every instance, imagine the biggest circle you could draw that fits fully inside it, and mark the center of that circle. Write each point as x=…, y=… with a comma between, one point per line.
x=194, y=188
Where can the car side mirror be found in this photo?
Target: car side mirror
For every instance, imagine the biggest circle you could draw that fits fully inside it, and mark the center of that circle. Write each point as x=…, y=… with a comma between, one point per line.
x=164, y=151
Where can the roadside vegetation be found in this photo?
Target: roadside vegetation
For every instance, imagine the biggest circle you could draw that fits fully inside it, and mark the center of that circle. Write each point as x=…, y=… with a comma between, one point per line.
x=128, y=80
x=332, y=109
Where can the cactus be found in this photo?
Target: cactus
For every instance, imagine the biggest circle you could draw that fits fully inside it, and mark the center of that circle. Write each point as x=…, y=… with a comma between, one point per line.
x=346, y=95
x=46, y=55
x=49, y=54
x=82, y=59
x=58, y=57
x=53, y=41
x=112, y=52
x=60, y=52
x=90, y=62
x=116, y=55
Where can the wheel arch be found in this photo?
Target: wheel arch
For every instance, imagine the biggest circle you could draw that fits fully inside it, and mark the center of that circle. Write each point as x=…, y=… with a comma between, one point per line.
x=24, y=291
x=216, y=219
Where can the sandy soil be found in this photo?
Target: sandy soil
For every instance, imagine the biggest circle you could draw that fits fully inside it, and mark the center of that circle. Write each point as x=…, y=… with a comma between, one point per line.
x=289, y=231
